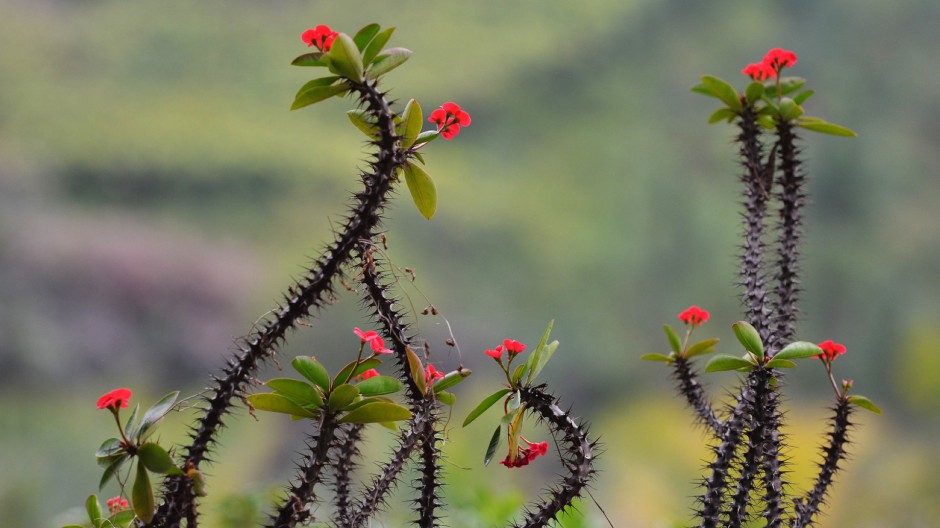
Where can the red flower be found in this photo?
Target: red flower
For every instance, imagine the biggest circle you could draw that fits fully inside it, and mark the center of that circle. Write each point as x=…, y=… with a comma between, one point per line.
x=760, y=71
x=431, y=374
x=371, y=373
x=496, y=353
x=449, y=118
x=830, y=350
x=114, y=399
x=513, y=347
x=322, y=37
x=117, y=504
x=378, y=346
x=694, y=316
x=779, y=59
x=365, y=336
x=524, y=456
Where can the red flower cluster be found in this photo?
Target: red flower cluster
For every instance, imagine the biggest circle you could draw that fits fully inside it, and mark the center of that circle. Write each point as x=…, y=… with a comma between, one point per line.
x=321, y=36
x=830, y=350
x=511, y=346
x=117, y=504
x=524, y=456
x=774, y=61
x=431, y=374
x=495, y=353
x=114, y=399
x=375, y=342
x=693, y=315
x=449, y=118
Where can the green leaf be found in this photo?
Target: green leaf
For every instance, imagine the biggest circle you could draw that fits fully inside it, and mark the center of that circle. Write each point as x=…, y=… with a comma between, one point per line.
x=494, y=443
x=142, y=495
x=362, y=120
x=780, y=363
x=299, y=391
x=156, y=459
x=451, y=378
x=723, y=362
x=798, y=350
x=547, y=352
x=864, y=403
x=122, y=519
x=700, y=88
x=803, y=96
x=767, y=122
x=411, y=122
x=701, y=348
x=674, y=341
x=749, y=338
x=723, y=91
x=111, y=470
x=317, y=94
x=789, y=110
x=387, y=61
x=536, y=355
x=447, y=398
x=787, y=85
x=309, y=59
x=422, y=189
x=342, y=396
x=722, y=114
x=825, y=128
x=131, y=421
x=753, y=92
x=376, y=413
x=316, y=83
x=657, y=357
x=418, y=156
x=273, y=402
x=517, y=375
x=155, y=414
x=93, y=507
x=378, y=385
x=109, y=447
x=485, y=405
x=199, y=482
x=417, y=370
x=364, y=35
x=311, y=369
x=376, y=45
x=344, y=58
x=352, y=369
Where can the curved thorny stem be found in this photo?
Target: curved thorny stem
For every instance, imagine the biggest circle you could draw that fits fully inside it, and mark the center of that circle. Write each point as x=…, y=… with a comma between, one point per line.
x=577, y=457
x=717, y=482
x=347, y=447
x=695, y=395
x=305, y=296
x=808, y=506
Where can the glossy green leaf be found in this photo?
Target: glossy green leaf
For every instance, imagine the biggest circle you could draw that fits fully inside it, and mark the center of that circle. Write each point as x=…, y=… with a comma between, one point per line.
x=93, y=507
x=365, y=35
x=864, y=403
x=301, y=392
x=376, y=413
x=309, y=59
x=142, y=495
x=536, y=354
x=110, y=471
x=418, y=156
x=798, y=350
x=700, y=88
x=722, y=114
x=451, y=378
x=787, y=85
x=749, y=338
x=801, y=97
x=674, y=341
x=313, y=370
x=789, y=110
x=766, y=121
x=319, y=82
x=366, y=401
x=427, y=136
x=273, y=402
x=155, y=414
x=109, y=447
x=417, y=370
x=387, y=61
x=364, y=122
x=825, y=128
x=317, y=94
x=131, y=422
x=447, y=398
x=344, y=58
x=378, y=385
x=657, y=357
x=422, y=188
x=376, y=45
x=485, y=405
x=723, y=362
x=701, y=348
x=780, y=363
x=547, y=352
x=412, y=119
x=517, y=374
x=121, y=519
x=342, y=396
x=493, y=445
x=156, y=459
x=723, y=91
x=352, y=369
x=753, y=92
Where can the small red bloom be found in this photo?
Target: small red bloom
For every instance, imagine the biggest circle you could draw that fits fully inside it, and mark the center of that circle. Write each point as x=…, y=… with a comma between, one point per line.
x=694, y=316
x=760, y=71
x=496, y=353
x=779, y=59
x=449, y=118
x=513, y=347
x=431, y=374
x=322, y=37
x=830, y=350
x=114, y=399
x=378, y=346
x=524, y=456
x=117, y=504
x=371, y=373
x=365, y=336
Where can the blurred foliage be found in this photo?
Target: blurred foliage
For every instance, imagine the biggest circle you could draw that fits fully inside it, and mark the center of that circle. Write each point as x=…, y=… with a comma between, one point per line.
x=156, y=193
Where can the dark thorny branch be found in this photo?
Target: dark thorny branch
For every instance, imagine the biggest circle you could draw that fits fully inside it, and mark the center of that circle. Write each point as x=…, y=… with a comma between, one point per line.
x=807, y=507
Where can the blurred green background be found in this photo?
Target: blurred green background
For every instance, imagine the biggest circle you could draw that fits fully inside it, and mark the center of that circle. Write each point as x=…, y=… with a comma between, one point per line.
x=156, y=196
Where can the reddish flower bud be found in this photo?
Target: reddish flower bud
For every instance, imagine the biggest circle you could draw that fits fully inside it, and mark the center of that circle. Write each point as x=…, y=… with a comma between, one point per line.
x=322, y=37
x=693, y=315
x=378, y=346
x=449, y=118
x=431, y=374
x=371, y=373
x=496, y=353
x=830, y=350
x=365, y=336
x=513, y=347
x=114, y=399
x=759, y=71
x=779, y=59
